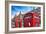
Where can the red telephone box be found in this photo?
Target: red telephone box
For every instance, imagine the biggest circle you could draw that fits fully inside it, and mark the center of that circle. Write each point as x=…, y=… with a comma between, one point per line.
x=18, y=22
x=31, y=20
x=36, y=19
x=28, y=20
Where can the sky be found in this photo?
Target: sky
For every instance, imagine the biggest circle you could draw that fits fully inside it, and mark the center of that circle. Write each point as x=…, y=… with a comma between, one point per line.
x=16, y=9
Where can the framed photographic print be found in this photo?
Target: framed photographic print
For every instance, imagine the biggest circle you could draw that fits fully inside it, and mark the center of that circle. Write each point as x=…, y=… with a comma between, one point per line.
x=24, y=16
